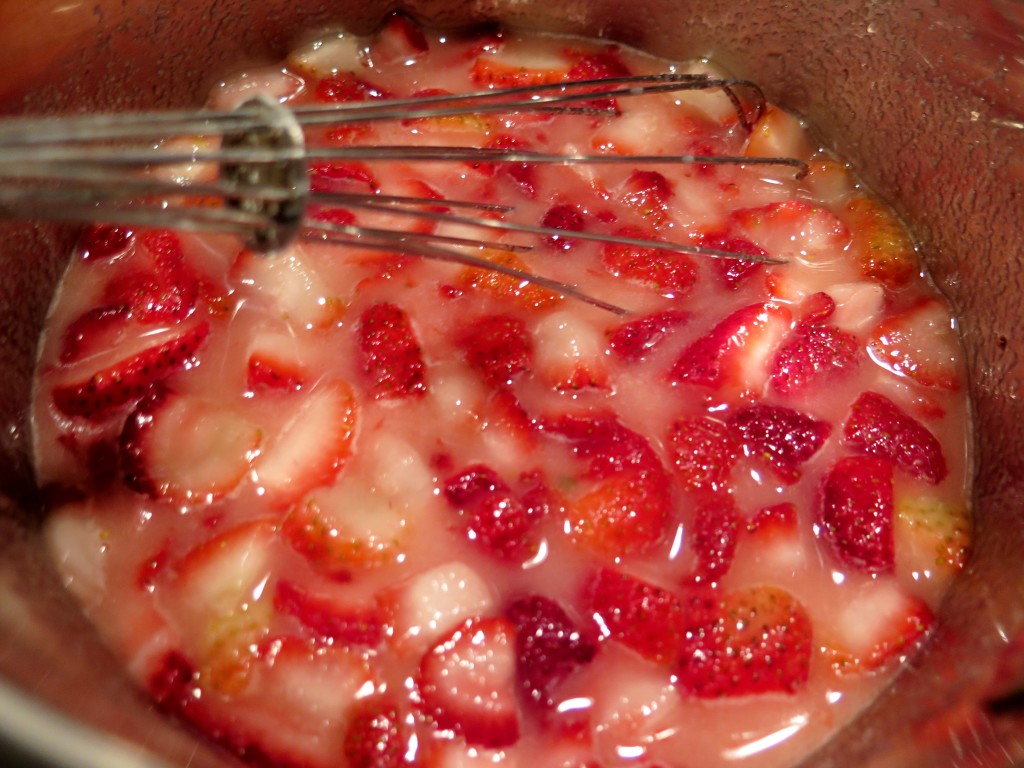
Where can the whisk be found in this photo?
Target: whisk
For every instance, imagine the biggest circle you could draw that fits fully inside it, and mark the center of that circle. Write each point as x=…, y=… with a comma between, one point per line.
x=91, y=168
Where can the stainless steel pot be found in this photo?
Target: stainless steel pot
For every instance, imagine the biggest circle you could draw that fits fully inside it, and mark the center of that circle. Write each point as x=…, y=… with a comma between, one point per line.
x=924, y=97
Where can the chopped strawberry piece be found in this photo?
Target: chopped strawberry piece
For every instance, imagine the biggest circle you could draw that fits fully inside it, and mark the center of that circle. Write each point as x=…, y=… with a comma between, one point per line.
x=376, y=735
x=647, y=193
x=716, y=526
x=781, y=437
x=173, y=684
x=569, y=352
x=667, y=272
x=342, y=177
x=627, y=514
x=494, y=517
x=550, y=646
x=878, y=426
x=609, y=447
x=884, y=247
x=93, y=331
x=735, y=352
x=104, y=392
x=756, y=640
x=792, y=227
x=856, y=513
x=778, y=518
x=734, y=272
x=100, y=242
x=313, y=445
x=815, y=352
x=329, y=620
x=499, y=348
x=345, y=87
x=564, y=217
x=518, y=291
x=467, y=683
x=391, y=355
x=932, y=537
x=703, y=452
x=599, y=66
x=493, y=72
x=523, y=175
x=921, y=344
x=274, y=363
x=634, y=339
x=642, y=616
x=399, y=41
x=185, y=448
x=159, y=286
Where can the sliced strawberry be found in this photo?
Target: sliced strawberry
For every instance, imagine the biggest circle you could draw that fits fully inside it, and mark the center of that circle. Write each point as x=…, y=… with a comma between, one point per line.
x=703, y=452
x=504, y=72
x=642, y=616
x=756, y=640
x=550, y=646
x=104, y=392
x=648, y=193
x=669, y=273
x=520, y=292
x=634, y=339
x=598, y=66
x=856, y=513
x=95, y=330
x=431, y=604
x=882, y=244
x=627, y=514
x=716, y=525
x=186, y=448
x=494, y=517
x=294, y=286
x=339, y=177
x=467, y=683
x=159, y=286
x=345, y=87
x=734, y=272
x=499, y=348
x=793, y=227
x=391, y=355
x=312, y=446
x=919, y=343
x=567, y=218
x=735, y=352
x=523, y=175
x=815, y=352
x=781, y=437
x=275, y=363
x=377, y=735
x=569, y=352
x=932, y=538
x=100, y=242
x=398, y=42
x=878, y=426
x=777, y=133
x=877, y=626
x=778, y=519
x=329, y=619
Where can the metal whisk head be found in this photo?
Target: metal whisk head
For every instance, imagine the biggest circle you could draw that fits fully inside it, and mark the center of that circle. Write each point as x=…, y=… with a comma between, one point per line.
x=93, y=168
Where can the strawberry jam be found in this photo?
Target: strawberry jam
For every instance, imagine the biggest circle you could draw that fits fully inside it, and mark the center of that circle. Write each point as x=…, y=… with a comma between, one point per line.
x=345, y=507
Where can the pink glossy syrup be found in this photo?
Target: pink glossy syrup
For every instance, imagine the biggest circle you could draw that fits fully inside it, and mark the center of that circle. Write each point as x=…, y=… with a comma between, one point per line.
x=268, y=529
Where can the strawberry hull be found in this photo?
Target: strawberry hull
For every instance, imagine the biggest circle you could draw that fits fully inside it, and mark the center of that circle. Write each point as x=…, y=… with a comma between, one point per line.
x=338, y=508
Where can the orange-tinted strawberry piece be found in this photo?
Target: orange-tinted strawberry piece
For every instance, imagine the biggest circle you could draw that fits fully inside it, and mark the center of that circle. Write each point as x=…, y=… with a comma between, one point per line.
x=627, y=514
x=884, y=247
x=667, y=272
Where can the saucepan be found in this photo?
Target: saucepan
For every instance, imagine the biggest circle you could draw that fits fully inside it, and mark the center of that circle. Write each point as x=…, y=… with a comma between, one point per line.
x=925, y=98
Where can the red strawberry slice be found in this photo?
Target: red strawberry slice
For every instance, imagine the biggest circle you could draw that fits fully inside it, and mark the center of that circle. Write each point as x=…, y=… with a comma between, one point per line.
x=792, y=227
x=776, y=520
x=882, y=244
x=877, y=626
x=399, y=41
x=735, y=352
x=606, y=445
x=567, y=218
x=522, y=175
x=856, y=513
x=627, y=514
x=340, y=177
x=467, y=683
x=331, y=620
x=716, y=525
x=550, y=646
x=597, y=66
x=158, y=286
x=499, y=348
x=644, y=617
x=757, y=640
x=648, y=193
x=781, y=437
x=505, y=72
x=919, y=343
x=815, y=352
x=95, y=330
x=569, y=352
x=494, y=517
x=345, y=87
x=670, y=274
x=275, y=363
x=377, y=735
x=733, y=272
x=703, y=452
x=512, y=289
x=635, y=339
x=100, y=242
x=103, y=393
x=878, y=426
x=186, y=448
x=390, y=353
x=312, y=446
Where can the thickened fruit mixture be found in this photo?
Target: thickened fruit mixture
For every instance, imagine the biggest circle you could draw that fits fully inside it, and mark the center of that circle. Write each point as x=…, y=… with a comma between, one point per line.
x=341, y=506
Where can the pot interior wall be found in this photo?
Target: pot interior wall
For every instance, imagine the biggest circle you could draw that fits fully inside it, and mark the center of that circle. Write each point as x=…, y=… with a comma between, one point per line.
x=923, y=98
